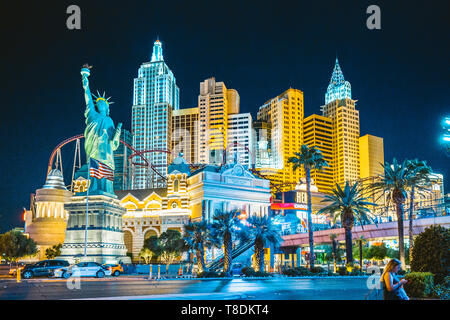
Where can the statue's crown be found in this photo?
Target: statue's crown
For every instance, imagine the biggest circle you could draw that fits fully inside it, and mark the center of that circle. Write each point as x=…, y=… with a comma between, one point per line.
x=102, y=97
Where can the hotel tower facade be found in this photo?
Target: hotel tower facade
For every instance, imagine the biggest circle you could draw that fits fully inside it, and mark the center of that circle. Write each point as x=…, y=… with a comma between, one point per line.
x=155, y=96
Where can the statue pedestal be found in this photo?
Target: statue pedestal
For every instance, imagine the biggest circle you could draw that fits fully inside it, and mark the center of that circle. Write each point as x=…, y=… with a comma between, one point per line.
x=105, y=242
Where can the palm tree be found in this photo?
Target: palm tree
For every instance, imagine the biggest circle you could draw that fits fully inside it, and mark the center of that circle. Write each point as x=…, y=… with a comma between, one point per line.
x=333, y=237
x=419, y=178
x=264, y=233
x=224, y=225
x=198, y=236
x=361, y=240
x=348, y=205
x=308, y=158
x=394, y=183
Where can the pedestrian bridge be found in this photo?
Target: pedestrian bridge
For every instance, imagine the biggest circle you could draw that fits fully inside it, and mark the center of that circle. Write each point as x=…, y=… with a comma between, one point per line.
x=369, y=231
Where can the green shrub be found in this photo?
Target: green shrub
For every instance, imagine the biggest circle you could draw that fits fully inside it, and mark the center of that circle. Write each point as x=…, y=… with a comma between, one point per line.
x=296, y=272
x=318, y=269
x=442, y=290
x=289, y=272
x=420, y=284
x=303, y=271
x=431, y=252
x=250, y=272
x=342, y=271
x=210, y=274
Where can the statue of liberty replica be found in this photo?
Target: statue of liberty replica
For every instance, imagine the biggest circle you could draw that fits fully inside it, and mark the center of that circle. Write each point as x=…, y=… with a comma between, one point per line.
x=94, y=229
x=101, y=139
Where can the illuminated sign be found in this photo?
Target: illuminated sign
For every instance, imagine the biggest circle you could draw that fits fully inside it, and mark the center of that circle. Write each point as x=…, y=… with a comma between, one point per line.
x=288, y=206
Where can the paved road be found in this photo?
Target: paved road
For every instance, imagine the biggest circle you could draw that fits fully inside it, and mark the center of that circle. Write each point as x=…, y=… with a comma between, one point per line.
x=140, y=288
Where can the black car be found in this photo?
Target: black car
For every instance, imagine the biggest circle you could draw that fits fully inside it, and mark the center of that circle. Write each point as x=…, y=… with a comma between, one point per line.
x=43, y=268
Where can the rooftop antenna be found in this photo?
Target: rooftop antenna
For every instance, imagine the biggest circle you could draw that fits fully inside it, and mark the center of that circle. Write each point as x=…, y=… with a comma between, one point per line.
x=58, y=162
x=76, y=156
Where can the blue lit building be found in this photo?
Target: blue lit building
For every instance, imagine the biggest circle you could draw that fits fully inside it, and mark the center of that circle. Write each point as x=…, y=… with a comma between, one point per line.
x=155, y=95
x=338, y=87
x=446, y=135
x=122, y=170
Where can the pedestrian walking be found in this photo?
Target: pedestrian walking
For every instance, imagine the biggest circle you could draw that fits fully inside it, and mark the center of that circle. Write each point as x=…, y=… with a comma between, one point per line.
x=392, y=285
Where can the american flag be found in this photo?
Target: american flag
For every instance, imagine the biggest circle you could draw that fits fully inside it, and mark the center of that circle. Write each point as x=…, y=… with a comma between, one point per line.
x=100, y=170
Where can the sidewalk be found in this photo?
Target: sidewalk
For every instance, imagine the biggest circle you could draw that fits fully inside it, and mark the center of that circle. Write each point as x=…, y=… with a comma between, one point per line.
x=189, y=296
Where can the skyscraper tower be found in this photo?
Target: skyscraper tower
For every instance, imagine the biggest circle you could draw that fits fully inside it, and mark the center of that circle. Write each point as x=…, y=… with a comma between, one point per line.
x=215, y=103
x=155, y=95
x=340, y=108
x=285, y=114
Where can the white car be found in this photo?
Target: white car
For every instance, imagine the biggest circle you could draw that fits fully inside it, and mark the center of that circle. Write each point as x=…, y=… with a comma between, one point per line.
x=83, y=269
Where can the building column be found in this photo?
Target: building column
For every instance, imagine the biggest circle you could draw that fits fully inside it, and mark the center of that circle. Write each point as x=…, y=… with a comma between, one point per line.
x=210, y=210
x=205, y=217
x=299, y=254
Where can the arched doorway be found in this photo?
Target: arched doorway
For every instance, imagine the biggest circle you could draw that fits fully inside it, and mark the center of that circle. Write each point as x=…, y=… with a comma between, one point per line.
x=128, y=240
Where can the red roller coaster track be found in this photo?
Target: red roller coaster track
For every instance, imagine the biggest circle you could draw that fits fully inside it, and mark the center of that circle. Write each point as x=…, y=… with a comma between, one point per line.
x=146, y=163
x=136, y=153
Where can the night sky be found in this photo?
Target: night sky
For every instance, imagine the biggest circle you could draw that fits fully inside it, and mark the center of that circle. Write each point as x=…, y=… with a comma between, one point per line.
x=399, y=74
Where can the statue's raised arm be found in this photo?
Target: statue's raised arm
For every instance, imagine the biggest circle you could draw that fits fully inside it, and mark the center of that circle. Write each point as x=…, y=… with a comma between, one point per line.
x=85, y=73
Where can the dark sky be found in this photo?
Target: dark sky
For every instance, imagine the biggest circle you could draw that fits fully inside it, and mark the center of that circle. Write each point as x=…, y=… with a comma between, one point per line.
x=399, y=74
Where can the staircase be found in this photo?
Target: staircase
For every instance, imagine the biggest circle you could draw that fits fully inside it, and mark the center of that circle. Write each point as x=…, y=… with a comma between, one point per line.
x=218, y=262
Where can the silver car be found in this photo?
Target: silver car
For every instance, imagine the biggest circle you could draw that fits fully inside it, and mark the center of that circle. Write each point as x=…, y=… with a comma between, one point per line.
x=83, y=269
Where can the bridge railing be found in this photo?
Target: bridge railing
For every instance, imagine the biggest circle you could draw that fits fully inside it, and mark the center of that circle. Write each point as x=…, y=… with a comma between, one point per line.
x=432, y=211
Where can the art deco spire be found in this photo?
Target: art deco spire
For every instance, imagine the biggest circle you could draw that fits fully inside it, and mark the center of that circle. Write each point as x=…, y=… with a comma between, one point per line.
x=338, y=87
x=337, y=77
x=157, y=54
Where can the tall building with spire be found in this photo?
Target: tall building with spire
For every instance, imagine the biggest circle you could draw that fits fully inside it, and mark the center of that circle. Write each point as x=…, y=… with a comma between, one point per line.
x=155, y=96
x=340, y=108
x=338, y=88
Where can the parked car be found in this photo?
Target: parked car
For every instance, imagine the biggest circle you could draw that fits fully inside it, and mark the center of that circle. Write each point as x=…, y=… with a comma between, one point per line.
x=236, y=269
x=43, y=268
x=116, y=269
x=83, y=269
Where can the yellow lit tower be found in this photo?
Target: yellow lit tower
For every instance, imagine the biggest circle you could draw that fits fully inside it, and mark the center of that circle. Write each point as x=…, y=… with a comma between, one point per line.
x=215, y=103
x=185, y=133
x=318, y=132
x=371, y=155
x=340, y=108
x=285, y=114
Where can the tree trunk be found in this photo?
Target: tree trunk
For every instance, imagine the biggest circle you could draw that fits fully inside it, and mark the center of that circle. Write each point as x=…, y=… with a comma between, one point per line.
x=259, y=255
x=411, y=219
x=401, y=236
x=310, y=228
x=360, y=256
x=348, y=244
x=334, y=247
x=200, y=261
x=227, y=249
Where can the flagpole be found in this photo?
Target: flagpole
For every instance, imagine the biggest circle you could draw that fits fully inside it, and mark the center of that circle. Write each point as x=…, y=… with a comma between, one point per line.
x=87, y=206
